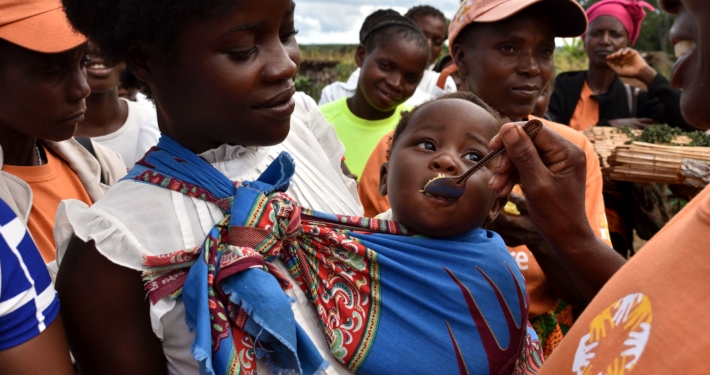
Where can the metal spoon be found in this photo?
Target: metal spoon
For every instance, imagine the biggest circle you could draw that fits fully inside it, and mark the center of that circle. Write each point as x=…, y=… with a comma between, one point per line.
x=454, y=187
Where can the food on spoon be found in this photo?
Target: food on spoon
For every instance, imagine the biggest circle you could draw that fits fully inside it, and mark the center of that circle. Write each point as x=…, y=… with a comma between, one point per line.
x=441, y=175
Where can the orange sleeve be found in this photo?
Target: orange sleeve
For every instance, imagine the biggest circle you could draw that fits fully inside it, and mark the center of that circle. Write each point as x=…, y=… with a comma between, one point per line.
x=593, y=199
x=369, y=184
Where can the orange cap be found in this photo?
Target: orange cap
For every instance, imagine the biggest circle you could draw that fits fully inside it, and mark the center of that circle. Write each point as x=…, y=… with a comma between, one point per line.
x=38, y=25
x=569, y=17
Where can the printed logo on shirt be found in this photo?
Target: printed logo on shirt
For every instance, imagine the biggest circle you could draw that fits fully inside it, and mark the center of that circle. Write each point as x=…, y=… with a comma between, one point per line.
x=521, y=259
x=617, y=338
x=604, y=228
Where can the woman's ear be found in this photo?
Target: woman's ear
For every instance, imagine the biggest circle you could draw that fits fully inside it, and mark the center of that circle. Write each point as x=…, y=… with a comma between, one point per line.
x=360, y=54
x=497, y=207
x=138, y=60
x=383, y=178
x=459, y=56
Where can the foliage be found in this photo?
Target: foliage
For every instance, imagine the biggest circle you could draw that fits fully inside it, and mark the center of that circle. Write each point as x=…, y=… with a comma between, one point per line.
x=571, y=56
x=664, y=134
x=303, y=84
x=343, y=53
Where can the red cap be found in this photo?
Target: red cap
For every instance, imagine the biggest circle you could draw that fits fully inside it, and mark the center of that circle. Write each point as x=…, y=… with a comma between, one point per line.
x=569, y=17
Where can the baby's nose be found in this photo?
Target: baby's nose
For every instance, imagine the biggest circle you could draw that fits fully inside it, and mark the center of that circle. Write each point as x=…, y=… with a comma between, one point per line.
x=445, y=163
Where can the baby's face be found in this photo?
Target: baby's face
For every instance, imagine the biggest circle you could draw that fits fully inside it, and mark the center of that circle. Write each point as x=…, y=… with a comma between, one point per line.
x=444, y=137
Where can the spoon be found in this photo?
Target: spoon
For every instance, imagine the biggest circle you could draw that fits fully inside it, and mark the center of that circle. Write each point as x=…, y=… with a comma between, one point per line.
x=454, y=187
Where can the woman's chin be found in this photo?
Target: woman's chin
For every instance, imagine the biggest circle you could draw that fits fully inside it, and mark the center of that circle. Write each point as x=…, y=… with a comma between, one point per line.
x=278, y=135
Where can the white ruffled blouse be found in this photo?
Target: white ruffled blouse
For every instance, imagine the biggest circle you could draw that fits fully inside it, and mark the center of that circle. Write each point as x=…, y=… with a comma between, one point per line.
x=134, y=219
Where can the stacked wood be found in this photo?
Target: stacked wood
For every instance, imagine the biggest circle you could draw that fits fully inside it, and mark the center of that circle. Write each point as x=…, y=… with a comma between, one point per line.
x=645, y=162
x=605, y=140
x=624, y=160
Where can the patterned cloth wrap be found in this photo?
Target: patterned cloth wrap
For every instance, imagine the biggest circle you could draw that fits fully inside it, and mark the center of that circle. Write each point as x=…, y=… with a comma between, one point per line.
x=389, y=301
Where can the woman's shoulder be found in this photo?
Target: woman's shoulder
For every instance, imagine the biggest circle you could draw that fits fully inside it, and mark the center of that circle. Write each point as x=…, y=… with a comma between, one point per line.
x=566, y=132
x=571, y=75
x=142, y=116
x=121, y=223
x=334, y=109
x=570, y=80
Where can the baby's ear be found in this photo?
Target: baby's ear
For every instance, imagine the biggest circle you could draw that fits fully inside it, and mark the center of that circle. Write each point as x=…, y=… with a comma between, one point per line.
x=383, y=178
x=360, y=53
x=497, y=207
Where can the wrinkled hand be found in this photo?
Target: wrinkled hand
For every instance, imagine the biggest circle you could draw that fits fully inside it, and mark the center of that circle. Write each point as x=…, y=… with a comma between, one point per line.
x=553, y=173
x=627, y=62
x=634, y=123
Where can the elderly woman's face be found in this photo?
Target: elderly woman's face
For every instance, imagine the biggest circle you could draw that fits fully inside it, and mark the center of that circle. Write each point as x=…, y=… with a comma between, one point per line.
x=690, y=36
x=605, y=35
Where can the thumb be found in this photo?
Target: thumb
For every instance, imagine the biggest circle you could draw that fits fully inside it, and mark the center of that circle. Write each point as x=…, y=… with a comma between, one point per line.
x=522, y=151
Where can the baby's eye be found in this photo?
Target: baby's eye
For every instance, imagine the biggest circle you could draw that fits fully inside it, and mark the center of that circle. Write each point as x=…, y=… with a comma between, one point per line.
x=426, y=145
x=473, y=156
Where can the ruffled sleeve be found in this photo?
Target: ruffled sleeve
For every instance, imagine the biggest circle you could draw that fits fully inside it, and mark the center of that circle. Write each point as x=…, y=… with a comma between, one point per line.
x=112, y=239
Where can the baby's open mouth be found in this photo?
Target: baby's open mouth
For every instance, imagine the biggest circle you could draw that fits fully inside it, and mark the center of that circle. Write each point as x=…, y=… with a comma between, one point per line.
x=423, y=191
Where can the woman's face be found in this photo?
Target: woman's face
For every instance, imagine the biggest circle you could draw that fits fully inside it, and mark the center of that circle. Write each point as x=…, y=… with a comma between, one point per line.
x=42, y=95
x=508, y=63
x=605, y=35
x=435, y=30
x=690, y=36
x=390, y=73
x=101, y=76
x=233, y=78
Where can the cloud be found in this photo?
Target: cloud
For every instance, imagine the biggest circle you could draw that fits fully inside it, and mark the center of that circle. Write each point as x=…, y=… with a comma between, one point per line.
x=330, y=22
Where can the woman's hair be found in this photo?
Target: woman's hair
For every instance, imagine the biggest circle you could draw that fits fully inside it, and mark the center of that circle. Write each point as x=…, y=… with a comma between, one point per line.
x=426, y=10
x=464, y=95
x=115, y=25
x=128, y=80
x=385, y=26
x=443, y=62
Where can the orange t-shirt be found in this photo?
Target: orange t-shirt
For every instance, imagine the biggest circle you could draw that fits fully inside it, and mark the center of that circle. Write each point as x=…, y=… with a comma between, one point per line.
x=368, y=188
x=650, y=317
x=586, y=114
x=50, y=183
x=542, y=299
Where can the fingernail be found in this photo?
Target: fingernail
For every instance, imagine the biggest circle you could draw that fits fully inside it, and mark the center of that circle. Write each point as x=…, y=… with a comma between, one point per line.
x=511, y=135
x=493, y=179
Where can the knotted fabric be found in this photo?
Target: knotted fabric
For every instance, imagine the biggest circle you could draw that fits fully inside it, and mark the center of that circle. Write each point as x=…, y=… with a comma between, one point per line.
x=388, y=301
x=629, y=12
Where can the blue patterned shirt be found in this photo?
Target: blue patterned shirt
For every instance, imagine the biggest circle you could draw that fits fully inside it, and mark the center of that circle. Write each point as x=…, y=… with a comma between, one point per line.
x=28, y=301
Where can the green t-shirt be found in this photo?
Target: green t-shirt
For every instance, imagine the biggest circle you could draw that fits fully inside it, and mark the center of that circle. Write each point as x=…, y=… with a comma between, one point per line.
x=359, y=136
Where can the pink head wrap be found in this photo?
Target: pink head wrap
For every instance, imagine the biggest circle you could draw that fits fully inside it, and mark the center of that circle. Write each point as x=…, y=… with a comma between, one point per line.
x=630, y=13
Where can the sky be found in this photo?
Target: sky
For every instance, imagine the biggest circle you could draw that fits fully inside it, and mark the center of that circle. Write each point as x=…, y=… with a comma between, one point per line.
x=338, y=22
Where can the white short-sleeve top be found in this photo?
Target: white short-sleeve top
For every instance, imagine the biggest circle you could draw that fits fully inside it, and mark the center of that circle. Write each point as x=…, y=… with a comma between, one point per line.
x=133, y=219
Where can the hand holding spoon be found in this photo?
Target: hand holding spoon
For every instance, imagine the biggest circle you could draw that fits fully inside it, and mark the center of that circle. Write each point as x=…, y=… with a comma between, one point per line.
x=454, y=187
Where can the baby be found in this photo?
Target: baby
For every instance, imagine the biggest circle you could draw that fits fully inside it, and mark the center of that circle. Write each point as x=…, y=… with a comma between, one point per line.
x=446, y=136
